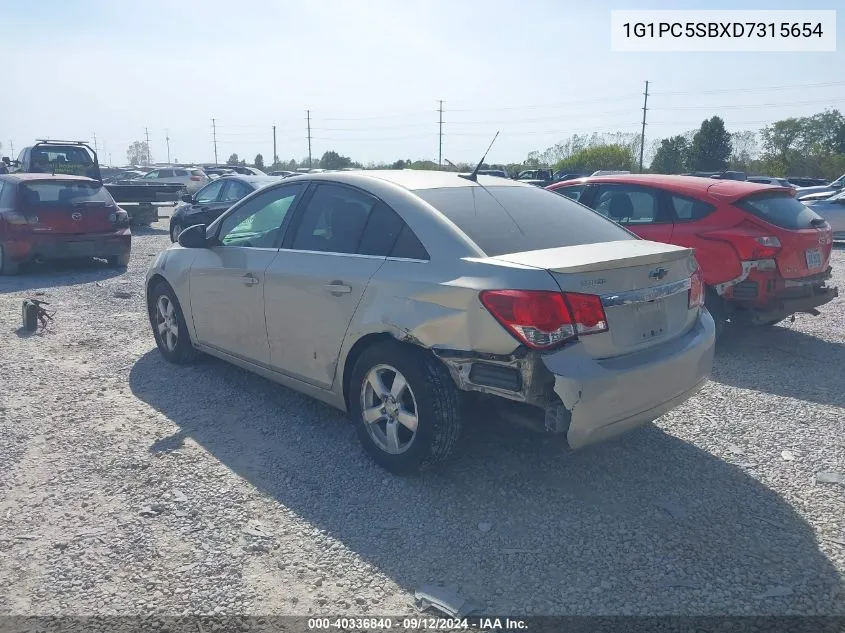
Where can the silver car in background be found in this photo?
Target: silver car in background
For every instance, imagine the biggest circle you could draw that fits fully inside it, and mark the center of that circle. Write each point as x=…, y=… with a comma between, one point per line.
x=193, y=178
x=400, y=296
x=832, y=209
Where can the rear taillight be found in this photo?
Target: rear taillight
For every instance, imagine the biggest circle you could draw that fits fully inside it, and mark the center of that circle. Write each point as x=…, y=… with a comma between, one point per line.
x=748, y=240
x=696, y=290
x=541, y=319
x=119, y=218
x=196, y=178
x=14, y=218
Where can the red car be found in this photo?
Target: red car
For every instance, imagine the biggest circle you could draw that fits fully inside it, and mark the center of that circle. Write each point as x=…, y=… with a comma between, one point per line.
x=59, y=217
x=763, y=254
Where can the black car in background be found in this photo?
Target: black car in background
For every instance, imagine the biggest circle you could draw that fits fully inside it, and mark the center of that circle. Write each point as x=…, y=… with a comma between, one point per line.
x=804, y=181
x=209, y=203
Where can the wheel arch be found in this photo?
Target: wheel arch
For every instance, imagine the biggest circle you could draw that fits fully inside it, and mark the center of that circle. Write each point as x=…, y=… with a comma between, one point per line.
x=363, y=343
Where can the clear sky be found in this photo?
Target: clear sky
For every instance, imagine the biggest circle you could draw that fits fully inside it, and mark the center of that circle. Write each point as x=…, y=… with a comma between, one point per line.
x=372, y=72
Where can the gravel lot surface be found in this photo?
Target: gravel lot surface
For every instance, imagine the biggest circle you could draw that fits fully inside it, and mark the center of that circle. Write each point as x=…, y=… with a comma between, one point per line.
x=133, y=486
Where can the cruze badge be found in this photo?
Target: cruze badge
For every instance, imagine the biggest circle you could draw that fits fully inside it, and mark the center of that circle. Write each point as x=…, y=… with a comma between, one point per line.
x=658, y=273
x=76, y=216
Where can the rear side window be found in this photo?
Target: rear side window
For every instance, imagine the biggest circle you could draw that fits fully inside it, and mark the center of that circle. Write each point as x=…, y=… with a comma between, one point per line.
x=197, y=172
x=180, y=172
x=64, y=193
x=165, y=173
x=514, y=219
x=780, y=209
x=408, y=246
x=334, y=220
x=688, y=209
x=383, y=227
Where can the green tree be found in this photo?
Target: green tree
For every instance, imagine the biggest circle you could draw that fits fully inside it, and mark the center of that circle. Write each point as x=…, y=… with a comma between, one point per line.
x=671, y=156
x=711, y=146
x=782, y=141
x=138, y=153
x=333, y=160
x=259, y=161
x=743, y=150
x=592, y=159
x=233, y=160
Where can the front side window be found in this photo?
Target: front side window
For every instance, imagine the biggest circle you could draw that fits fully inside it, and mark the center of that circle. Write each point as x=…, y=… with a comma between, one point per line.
x=151, y=175
x=209, y=194
x=258, y=222
x=165, y=173
x=334, y=220
x=572, y=192
x=626, y=205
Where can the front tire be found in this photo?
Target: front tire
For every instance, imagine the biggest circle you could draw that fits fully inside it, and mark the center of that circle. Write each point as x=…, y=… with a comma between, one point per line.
x=169, y=328
x=405, y=407
x=175, y=231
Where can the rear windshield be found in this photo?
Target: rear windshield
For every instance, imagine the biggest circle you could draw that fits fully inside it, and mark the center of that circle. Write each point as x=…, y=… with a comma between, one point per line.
x=62, y=160
x=780, y=209
x=516, y=219
x=55, y=193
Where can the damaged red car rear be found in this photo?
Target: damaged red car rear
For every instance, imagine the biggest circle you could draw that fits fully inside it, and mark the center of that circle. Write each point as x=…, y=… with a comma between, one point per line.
x=49, y=217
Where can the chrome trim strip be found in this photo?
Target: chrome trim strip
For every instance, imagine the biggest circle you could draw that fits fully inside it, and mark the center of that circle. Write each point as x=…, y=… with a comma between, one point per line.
x=646, y=294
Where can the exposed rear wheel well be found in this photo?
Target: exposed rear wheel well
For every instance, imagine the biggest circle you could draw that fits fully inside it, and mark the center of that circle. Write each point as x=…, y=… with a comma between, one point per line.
x=355, y=353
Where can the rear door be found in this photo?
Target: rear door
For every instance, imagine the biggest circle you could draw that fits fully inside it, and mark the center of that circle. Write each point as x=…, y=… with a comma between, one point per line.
x=639, y=209
x=66, y=207
x=316, y=282
x=805, y=238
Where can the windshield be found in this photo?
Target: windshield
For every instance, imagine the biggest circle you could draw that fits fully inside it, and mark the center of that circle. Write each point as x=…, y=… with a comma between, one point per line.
x=62, y=160
x=516, y=219
x=780, y=209
x=65, y=193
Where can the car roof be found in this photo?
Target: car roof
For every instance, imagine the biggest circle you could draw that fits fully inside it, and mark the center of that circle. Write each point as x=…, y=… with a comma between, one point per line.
x=26, y=177
x=691, y=185
x=411, y=179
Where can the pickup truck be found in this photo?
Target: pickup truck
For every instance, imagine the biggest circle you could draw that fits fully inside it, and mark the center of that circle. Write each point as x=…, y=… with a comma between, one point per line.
x=139, y=200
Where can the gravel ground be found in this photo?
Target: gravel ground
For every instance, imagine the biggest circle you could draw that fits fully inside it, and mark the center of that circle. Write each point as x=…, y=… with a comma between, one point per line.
x=130, y=486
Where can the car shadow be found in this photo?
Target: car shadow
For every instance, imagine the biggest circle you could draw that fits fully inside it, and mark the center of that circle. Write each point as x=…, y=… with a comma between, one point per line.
x=647, y=524
x=148, y=230
x=58, y=273
x=786, y=354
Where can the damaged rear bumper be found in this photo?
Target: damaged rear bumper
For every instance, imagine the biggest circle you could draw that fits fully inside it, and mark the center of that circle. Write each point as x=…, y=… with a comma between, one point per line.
x=607, y=397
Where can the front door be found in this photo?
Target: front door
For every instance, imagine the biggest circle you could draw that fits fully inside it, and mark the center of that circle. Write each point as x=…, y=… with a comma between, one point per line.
x=315, y=284
x=227, y=279
x=639, y=209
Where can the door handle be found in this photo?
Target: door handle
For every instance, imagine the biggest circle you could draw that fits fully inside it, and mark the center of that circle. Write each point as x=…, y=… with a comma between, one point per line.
x=250, y=279
x=338, y=288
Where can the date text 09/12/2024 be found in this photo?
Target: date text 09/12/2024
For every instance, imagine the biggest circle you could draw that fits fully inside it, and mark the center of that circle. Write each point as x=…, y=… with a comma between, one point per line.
x=417, y=624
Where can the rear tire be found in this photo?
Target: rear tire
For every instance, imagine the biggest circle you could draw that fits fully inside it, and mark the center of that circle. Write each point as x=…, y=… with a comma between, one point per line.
x=118, y=261
x=7, y=265
x=169, y=328
x=718, y=310
x=430, y=392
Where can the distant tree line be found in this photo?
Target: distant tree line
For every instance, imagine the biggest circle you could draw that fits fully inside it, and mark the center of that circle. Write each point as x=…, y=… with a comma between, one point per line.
x=803, y=146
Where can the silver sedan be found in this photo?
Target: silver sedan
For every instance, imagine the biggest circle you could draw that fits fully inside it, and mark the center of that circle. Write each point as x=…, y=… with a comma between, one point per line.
x=402, y=296
x=831, y=209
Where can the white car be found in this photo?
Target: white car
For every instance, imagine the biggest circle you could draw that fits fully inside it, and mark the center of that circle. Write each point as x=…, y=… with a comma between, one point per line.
x=193, y=178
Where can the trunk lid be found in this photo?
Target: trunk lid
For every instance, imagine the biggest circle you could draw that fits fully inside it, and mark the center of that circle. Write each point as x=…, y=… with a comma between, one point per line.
x=67, y=207
x=643, y=285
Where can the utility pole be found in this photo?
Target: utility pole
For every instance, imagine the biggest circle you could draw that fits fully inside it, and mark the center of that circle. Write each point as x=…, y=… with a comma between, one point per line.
x=95, y=143
x=642, y=136
x=149, y=155
x=12, y=148
x=440, y=136
x=167, y=140
x=308, y=116
x=214, y=135
x=275, y=157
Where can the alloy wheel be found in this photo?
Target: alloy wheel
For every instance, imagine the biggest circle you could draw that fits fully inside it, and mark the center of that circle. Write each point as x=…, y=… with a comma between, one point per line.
x=389, y=409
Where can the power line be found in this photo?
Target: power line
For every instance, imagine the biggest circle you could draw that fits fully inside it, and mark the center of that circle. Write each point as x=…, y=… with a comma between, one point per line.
x=756, y=105
x=762, y=89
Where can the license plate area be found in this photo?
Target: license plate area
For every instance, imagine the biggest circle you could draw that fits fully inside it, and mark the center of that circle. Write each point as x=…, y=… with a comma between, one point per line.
x=79, y=248
x=813, y=257
x=650, y=319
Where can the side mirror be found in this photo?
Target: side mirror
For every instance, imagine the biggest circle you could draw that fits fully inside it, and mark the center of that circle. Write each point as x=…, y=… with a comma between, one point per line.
x=186, y=197
x=193, y=237
x=7, y=160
